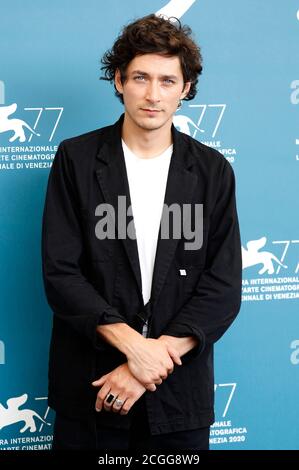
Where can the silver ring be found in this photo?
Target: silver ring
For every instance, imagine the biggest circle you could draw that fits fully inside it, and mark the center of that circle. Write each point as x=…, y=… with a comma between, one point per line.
x=119, y=403
x=110, y=398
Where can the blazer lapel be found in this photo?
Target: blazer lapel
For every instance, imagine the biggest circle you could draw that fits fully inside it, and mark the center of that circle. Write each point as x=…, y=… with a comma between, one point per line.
x=180, y=187
x=112, y=177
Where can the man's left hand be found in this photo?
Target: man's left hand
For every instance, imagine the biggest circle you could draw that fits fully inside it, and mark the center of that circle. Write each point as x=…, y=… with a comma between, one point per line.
x=120, y=383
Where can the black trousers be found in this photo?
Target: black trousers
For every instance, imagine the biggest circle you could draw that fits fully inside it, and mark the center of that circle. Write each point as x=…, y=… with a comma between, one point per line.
x=83, y=435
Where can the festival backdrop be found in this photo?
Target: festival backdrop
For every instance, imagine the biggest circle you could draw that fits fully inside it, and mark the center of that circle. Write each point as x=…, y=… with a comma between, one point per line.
x=247, y=108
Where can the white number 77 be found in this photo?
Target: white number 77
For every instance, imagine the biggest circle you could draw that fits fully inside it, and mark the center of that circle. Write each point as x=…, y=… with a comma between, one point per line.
x=233, y=388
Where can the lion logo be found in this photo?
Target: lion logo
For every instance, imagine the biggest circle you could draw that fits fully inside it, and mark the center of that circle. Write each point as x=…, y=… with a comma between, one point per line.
x=184, y=123
x=253, y=256
x=15, y=125
x=12, y=414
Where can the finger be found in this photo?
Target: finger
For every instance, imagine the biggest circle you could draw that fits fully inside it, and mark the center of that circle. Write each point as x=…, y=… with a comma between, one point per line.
x=150, y=387
x=126, y=406
x=158, y=381
x=108, y=404
x=99, y=382
x=177, y=360
x=174, y=356
x=118, y=403
x=164, y=376
x=101, y=397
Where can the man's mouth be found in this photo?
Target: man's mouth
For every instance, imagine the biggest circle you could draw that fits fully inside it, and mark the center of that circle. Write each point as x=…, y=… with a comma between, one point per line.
x=151, y=110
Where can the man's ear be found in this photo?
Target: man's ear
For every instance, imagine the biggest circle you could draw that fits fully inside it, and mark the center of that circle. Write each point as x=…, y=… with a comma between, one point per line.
x=186, y=90
x=117, y=81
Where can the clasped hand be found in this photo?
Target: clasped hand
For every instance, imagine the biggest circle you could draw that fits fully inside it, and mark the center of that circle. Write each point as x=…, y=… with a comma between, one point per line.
x=152, y=361
x=149, y=363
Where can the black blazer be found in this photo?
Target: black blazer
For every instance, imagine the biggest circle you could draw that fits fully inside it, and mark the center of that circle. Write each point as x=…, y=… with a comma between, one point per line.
x=90, y=281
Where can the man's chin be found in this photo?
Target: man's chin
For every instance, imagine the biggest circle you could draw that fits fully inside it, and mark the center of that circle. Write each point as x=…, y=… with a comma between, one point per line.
x=150, y=124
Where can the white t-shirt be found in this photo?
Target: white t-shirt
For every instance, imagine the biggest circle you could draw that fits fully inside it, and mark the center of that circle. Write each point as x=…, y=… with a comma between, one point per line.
x=147, y=182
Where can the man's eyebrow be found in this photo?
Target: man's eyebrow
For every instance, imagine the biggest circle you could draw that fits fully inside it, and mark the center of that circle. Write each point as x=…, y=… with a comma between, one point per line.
x=140, y=72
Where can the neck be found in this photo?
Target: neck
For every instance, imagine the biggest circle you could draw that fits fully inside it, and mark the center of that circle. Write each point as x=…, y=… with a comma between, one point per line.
x=144, y=142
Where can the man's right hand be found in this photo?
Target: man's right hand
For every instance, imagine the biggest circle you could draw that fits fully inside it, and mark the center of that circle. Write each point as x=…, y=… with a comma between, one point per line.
x=149, y=360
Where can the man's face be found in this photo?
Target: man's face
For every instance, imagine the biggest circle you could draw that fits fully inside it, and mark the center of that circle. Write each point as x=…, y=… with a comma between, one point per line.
x=152, y=90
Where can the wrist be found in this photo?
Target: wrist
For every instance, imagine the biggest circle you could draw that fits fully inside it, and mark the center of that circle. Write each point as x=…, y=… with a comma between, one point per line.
x=167, y=339
x=121, y=336
x=181, y=344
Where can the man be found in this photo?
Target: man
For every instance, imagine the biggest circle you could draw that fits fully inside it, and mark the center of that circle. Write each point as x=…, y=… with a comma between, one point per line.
x=136, y=312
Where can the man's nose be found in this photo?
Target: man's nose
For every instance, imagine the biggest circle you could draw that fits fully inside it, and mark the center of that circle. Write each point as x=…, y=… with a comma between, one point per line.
x=153, y=92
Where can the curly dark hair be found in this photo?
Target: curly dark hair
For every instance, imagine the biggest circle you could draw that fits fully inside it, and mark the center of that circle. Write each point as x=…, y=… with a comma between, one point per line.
x=154, y=34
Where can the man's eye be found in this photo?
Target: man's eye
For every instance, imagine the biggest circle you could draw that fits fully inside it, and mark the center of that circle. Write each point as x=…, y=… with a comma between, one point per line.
x=168, y=81
x=139, y=77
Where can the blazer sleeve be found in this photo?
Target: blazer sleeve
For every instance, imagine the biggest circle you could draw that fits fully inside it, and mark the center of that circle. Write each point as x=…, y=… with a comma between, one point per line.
x=217, y=297
x=72, y=298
